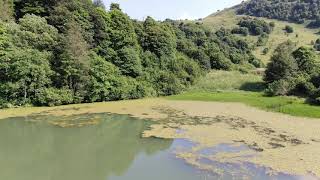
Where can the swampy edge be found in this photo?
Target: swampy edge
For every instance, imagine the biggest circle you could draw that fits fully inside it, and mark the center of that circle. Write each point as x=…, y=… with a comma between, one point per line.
x=283, y=143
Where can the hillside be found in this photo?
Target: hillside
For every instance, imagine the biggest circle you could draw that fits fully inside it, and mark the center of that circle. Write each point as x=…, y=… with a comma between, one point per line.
x=228, y=18
x=74, y=51
x=297, y=11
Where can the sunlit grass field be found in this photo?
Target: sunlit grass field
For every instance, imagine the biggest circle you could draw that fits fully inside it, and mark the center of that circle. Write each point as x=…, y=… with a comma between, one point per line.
x=221, y=86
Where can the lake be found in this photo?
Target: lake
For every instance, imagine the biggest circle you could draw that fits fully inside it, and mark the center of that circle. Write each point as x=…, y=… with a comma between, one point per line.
x=101, y=147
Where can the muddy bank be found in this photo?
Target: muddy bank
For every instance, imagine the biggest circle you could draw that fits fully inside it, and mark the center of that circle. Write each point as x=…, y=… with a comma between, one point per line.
x=281, y=142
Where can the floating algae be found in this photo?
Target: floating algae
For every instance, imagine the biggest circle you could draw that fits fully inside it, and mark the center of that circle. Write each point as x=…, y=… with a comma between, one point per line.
x=272, y=140
x=72, y=124
x=282, y=143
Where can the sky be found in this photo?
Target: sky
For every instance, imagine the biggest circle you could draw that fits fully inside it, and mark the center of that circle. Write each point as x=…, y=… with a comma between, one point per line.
x=172, y=9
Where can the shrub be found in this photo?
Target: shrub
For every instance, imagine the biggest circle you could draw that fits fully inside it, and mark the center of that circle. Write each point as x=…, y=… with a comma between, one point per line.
x=262, y=40
x=279, y=88
x=219, y=61
x=256, y=62
x=265, y=51
x=272, y=24
x=288, y=29
x=282, y=64
x=54, y=97
x=255, y=26
x=240, y=30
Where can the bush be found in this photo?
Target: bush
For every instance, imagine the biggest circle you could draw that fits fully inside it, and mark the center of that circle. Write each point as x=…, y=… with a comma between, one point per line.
x=279, y=88
x=255, y=26
x=168, y=84
x=288, y=29
x=282, y=65
x=265, y=51
x=240, y=30
x=316, y=45
x=219, y=61
x=262, y=40
x=256, y=63
x=54, y=97
x=272, y=24
x=303, y=87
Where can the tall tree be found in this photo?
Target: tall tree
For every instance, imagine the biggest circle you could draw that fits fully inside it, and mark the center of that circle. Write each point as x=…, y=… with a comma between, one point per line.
x=158, y=38
x=123, y=43
x=74, y=61
x=283, y=64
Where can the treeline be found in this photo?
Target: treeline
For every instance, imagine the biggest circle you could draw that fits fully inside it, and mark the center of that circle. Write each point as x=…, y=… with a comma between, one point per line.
x=294, y=71
x=55, y=52
x=288, y=10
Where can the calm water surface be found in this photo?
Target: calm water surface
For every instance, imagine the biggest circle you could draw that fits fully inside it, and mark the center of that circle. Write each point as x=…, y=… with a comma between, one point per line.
x=32, y=148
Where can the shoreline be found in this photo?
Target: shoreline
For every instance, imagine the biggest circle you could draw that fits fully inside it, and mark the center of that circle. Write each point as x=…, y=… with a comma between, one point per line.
x=271, y=136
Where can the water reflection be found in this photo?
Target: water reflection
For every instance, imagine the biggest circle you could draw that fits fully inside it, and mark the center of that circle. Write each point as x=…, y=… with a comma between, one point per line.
x=34, y=148
x=40, y=151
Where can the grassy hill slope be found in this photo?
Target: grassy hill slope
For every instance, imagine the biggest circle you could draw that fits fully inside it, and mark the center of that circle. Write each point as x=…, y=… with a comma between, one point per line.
x=229, y=19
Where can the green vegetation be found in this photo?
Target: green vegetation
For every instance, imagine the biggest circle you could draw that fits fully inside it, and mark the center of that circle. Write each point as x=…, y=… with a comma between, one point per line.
x=289, y=10
x=287, y=105
x=294, y=72
x=74, y=51
x=228, y=81
x=247, y=89
x=229, y=19
x=317, y=45
x=255, y=26
x=288, y=29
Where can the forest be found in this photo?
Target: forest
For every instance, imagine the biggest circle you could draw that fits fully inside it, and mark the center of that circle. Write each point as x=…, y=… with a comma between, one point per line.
x=297, y=11
x=73, y=51
x=62, y=52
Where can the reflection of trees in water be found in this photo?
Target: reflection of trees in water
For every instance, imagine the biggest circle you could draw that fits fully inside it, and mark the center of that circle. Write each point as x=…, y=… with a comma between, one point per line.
x=39, y=151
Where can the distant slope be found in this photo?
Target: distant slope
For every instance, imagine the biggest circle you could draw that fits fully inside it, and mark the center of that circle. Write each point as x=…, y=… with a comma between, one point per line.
x=229, y=19
x=289, y=10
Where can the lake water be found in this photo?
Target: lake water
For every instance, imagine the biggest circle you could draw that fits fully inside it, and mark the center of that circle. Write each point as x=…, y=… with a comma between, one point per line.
x=38, y=148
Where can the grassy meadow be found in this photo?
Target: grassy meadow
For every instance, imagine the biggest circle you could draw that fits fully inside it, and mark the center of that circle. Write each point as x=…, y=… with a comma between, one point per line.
x=222, y=86
x=302, y=36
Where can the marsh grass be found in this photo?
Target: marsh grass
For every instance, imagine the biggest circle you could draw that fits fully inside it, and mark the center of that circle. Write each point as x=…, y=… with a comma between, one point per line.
x=228, y=81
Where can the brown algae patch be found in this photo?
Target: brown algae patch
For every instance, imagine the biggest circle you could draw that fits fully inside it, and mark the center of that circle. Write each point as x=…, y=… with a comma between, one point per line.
x=280, y=142
x=74, y=124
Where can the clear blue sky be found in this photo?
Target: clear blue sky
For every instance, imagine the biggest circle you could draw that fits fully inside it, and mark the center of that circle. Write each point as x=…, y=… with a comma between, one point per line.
x=173, y=9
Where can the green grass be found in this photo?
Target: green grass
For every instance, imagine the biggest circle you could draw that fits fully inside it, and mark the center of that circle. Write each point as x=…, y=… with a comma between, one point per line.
x=228, y=81
x=228, y=19
x=221, y=86
x=287, y=105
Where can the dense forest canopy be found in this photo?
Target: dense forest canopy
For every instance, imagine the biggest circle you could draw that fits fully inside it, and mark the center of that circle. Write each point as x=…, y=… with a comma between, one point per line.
x=55, y=52
x=72, y=51
x=288, y=10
